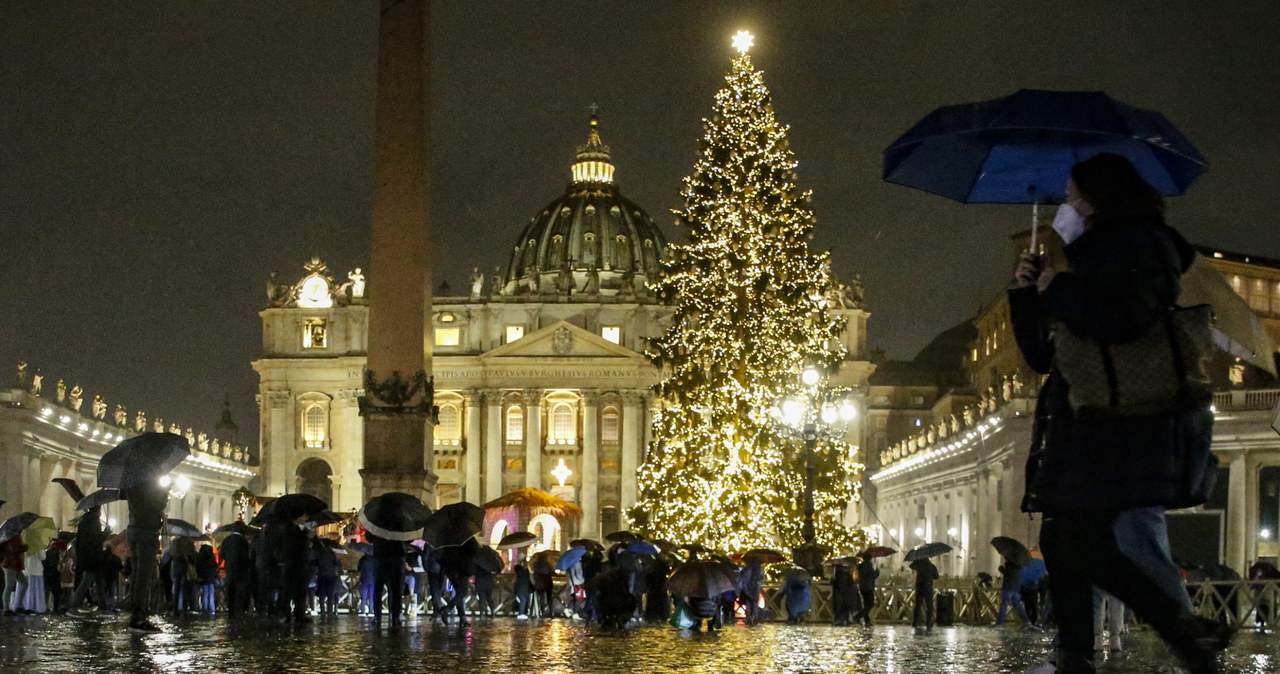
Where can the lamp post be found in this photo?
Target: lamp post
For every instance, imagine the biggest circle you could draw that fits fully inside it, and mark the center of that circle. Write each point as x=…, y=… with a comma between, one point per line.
x=816, y=413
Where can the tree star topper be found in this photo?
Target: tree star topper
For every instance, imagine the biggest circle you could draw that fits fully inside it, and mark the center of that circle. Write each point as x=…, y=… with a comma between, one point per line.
x=743, y=41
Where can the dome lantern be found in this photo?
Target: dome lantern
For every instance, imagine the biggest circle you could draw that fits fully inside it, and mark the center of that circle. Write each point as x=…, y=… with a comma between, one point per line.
x=593, y=167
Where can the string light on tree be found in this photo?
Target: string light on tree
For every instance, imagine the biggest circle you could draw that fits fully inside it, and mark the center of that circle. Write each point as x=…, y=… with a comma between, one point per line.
x=750, y=315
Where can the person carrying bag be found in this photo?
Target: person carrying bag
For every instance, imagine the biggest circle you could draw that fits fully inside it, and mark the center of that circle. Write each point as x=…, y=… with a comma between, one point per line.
x=1122, y=424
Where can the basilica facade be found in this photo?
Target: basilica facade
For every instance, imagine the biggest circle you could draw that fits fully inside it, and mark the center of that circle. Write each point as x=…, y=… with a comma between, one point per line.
x=540, y=374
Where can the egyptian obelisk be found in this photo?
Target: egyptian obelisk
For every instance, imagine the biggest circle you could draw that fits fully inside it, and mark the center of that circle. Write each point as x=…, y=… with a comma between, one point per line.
x=397, y=405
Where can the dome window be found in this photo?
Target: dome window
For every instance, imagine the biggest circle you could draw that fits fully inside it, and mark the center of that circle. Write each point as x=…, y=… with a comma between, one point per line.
x=557, y=239
x=564, y=212
x=615, y=211
x=589, y=210
x=589, y=237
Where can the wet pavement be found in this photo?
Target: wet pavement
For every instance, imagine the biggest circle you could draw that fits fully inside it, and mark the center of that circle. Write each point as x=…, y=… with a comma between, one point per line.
x=348, y=644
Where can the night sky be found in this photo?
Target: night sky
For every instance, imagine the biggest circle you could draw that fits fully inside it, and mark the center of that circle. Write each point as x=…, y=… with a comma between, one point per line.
x=158, y=160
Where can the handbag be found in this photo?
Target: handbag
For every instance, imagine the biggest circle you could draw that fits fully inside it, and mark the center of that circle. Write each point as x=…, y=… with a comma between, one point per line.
x=1197, y=466
x=1162, y=370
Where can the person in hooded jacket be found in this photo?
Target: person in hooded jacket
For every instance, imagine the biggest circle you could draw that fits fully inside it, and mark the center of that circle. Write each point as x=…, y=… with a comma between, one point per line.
x=1103, y=484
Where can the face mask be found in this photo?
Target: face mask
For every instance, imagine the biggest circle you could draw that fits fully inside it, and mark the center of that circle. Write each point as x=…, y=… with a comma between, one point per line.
x=1068, y=223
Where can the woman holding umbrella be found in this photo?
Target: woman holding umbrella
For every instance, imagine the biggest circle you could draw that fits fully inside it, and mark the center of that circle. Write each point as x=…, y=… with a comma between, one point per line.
x=1103, y=484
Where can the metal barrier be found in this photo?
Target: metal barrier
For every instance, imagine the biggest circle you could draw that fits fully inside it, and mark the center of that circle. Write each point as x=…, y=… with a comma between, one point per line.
x=1240, y=603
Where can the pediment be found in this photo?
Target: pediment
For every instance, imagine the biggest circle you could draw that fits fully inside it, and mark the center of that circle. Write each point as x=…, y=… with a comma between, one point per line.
x=562, y=339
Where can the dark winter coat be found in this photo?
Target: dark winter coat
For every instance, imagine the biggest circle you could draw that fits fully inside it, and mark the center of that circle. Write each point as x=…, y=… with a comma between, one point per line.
x=524, y=582
x=843, y=588
x=1010, y=577
x=1124, y=274
x=235, y=554
x=326, y=560
x=206, y=566
x=926, y=574
x=89, y=540
x=867, y=575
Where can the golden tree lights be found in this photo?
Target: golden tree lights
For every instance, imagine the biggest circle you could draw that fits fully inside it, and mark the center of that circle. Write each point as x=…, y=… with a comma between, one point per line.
x=750, y=315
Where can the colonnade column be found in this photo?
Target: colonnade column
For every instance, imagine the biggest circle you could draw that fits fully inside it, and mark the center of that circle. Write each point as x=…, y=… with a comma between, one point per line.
x=493, y=465
x=473, y=446
x=631, y=417
x=590, y=467
x=533, y=437
x=1237, y=533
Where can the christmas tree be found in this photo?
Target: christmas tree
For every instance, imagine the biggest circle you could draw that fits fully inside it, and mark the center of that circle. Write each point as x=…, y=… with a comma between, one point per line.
x=751, y=303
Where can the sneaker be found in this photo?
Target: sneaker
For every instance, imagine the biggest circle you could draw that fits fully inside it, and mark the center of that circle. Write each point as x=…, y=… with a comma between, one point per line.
x=144, y=627
x=522, y=617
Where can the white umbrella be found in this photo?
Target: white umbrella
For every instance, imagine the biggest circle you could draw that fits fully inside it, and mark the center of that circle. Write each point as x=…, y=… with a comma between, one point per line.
x=1237, y=330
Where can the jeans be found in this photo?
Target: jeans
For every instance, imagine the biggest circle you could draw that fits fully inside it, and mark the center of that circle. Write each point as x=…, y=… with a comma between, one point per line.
x=1083, y=550
x=12, y=599
x=207, y=603
x=1012, y=598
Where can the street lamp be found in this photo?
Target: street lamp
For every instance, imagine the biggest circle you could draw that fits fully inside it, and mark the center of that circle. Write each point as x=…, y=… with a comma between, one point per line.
x=815, y=412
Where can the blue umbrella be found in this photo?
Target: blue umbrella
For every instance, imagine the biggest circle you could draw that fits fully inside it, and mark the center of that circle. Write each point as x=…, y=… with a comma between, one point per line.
x=569, y=558
x=642, y=548
x=1019, y=149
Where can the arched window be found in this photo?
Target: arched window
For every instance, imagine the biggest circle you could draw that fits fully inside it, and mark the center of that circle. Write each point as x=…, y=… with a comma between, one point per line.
x=314, y=426
x=547, y=528
x=449, y=430
x=563, y=426
x=609, y=426
x=313, y=420
x=515, y=424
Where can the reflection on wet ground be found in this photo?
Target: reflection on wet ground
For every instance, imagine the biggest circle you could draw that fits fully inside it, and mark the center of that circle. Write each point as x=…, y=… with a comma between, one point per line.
x=348, y=644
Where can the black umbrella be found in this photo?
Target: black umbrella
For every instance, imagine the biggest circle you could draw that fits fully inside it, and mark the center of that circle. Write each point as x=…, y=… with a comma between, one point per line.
x=453, y=524
x=17, y=524
x=177, y=527
x=518, y=539
x=702, y=578
x=488, y=559
x=926, y=551
x=290, y=506
x=696, y=548
x=395, y=516
x=73, y=489
x=587, y=544
x=1012, y=550
x=237, y=527
x=99, y=498
x=141, y=459
x=621, y=537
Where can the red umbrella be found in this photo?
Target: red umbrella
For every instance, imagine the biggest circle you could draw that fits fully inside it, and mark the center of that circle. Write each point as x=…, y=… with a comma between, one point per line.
x=877, y=551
